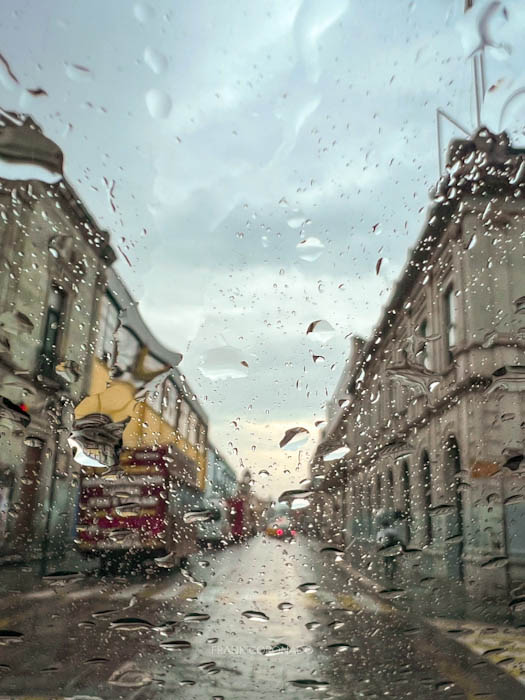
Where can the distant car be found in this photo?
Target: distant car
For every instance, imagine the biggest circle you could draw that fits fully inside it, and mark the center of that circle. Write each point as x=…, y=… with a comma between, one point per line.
x=280, y=528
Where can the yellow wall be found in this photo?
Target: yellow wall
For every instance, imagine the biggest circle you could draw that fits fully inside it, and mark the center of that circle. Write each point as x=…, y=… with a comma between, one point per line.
x=146, y=427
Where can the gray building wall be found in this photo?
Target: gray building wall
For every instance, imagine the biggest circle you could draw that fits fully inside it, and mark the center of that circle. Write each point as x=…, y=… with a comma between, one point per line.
x=46, y=238
x=448, y=454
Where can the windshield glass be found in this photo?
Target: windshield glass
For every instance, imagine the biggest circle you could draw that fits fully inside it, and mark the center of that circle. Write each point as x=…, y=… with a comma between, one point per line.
x=262, y=349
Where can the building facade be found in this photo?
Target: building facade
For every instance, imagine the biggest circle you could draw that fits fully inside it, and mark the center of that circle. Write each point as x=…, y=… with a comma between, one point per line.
x=221, y=482
x=432, y=412
x=52, y=273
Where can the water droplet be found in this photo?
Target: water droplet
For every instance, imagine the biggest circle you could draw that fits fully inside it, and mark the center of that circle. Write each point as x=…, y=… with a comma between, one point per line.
x=78, y=73
x=309, y=684
x=312, y=625
x=495, y=563
x=129, y=676
x=128, y=510
x=15, y=323
x=517, y=498
x=10, y=637
x=130, y=624
x=338, y=648
x=155, y=60
x=294, y=438
x=102, y=451
x=308, y=587
x=196, y=617
x=310, y=249
x=320, y=331
x=285, y=606
x=443, y=509
x=297, y=498
x=224, y=363
x=254, y=615
x=198, y=516
x=335, y=551
x=32, y=441
x=166, y=562
x=175, y=645
x=337, y=453
x=158, y=103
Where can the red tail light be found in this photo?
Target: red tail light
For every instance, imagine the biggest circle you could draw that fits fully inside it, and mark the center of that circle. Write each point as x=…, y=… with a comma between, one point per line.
x=279, y=533
x=294, y=533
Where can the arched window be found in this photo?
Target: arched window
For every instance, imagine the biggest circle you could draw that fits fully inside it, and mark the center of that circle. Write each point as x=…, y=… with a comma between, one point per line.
x=407, y=506
x=422, y=356
x=453, y=467
x=426, y=478
x=450, y=322
x=389, y=495
x=368, y=506
x=454, y=495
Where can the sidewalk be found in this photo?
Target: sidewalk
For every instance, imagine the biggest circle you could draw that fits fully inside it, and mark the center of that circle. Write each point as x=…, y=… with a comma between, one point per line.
x=487, y=629
x=427, y=595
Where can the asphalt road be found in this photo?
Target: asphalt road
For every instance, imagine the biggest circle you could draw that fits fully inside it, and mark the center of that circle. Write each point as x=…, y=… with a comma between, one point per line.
x=253, y=631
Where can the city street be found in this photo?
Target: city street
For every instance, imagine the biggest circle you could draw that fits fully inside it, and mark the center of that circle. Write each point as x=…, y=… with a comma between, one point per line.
x=272, y=618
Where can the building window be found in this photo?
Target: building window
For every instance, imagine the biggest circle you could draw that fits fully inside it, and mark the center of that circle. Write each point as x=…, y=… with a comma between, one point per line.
x=369, y=514
x=108, y=324
x=128, y=346
x=426, y=476
x=422, y=355
x=192, y=430
x=53, y=329
x=169, y=404
x=184, y=413
x=202, y=438
x=450, y=320
x=390, y=493
x=407, y=507
x=154, y=397
x=379, y=489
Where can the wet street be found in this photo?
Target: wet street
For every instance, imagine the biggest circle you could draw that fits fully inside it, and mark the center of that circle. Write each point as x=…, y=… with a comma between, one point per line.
x=254, y=621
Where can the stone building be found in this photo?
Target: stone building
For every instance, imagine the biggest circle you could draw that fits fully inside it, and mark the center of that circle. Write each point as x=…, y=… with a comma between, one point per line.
x=432, y=410
x=53, y=258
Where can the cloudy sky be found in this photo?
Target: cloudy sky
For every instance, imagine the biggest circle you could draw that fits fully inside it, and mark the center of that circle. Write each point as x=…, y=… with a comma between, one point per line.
x=253, y=161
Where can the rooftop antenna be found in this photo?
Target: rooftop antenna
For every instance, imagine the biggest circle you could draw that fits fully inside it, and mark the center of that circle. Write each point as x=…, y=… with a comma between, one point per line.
x=478, y=70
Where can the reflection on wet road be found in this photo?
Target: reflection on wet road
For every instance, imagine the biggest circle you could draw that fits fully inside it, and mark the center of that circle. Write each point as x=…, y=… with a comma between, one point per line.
x=272, y=618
